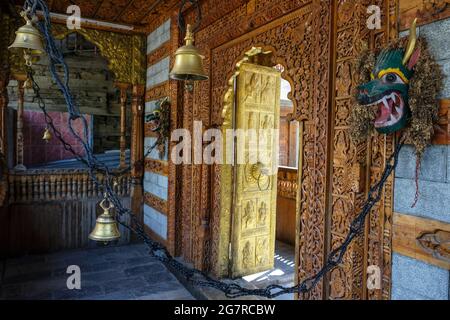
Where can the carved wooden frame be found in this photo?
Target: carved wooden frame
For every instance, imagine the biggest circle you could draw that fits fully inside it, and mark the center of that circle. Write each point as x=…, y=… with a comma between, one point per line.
x=318, y=41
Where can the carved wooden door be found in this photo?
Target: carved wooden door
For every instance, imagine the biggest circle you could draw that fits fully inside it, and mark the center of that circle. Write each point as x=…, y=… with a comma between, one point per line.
x=257, y=109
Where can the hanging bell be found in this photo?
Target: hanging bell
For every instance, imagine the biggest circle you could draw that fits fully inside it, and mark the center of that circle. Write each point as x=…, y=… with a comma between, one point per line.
x=188, y=64
x=28, y=38
x=47, y=135
x=106, y=229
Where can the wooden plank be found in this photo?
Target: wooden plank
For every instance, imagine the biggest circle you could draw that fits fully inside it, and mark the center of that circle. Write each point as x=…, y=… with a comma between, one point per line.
x=407, y=231
x=156, y=203
x=426, y=11
x=157, y=166
x=442, y=130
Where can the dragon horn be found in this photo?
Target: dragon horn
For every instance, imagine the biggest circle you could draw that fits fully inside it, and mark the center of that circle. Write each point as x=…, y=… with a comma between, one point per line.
x=411, y=42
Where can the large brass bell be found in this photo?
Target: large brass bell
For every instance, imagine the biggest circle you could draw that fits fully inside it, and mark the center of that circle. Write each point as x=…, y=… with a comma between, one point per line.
x=29, y=39
x=106, y=229
x=188, y=64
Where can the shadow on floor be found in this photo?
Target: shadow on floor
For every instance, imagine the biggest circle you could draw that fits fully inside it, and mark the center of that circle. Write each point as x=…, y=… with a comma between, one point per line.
x=108, y=273
x=282, y=274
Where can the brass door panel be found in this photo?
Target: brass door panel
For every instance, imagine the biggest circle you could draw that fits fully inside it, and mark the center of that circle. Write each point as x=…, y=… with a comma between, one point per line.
x=255, y=189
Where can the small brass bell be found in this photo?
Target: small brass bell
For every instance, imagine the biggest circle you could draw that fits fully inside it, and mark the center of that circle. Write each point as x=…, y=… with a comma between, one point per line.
x=106, y=229
x=188, y=64
x=28, y=84
x=29, y=39
x=47, y=135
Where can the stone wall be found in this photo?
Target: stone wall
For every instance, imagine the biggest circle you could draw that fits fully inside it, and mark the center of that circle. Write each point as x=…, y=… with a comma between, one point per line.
x=156, y=185
x=413, y=279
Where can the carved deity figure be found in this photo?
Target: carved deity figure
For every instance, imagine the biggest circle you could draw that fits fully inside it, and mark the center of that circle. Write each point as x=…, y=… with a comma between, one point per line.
x=248, y=216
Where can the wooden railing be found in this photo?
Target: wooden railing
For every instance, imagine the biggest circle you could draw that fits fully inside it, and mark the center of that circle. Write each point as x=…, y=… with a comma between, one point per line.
x=287, y=182
x=54, y=185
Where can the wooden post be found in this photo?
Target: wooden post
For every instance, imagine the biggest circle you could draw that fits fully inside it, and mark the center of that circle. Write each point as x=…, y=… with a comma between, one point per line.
x=137, y=150
x=4, y=79
x=19, y=130
x=123, y=87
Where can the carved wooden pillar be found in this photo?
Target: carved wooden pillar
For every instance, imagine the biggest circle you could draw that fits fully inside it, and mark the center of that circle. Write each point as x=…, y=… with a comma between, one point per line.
x=4, y=79
x=19, y=130
x=123, y=87
x=137, y=149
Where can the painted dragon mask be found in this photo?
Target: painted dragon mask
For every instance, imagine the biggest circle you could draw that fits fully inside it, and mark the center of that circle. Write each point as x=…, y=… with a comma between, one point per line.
x=399, y=90
x=389, y=88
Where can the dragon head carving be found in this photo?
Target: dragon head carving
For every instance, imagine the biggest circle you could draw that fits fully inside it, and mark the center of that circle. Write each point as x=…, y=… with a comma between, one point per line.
x=389, y=88
x=399, y=88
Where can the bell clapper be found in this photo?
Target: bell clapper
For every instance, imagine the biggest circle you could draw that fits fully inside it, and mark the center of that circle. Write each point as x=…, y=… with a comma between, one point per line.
x=189, y=85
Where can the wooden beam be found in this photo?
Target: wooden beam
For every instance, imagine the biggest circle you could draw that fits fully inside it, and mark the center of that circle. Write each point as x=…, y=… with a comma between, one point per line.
x=442, y=129
x=130, y=2
x=422, y=239
x=100, y=3
x=50, y=5
x=150, y=9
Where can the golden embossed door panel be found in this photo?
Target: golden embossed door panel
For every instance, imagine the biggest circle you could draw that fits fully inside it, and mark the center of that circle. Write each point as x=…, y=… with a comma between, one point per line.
x=254, y=204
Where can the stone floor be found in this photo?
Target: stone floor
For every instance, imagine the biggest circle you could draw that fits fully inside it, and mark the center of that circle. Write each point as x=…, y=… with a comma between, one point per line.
x=109, y=273
x=283, y=274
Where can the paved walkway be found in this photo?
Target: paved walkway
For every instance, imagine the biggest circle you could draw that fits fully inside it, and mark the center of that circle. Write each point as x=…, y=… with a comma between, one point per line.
x=108, y=273
x=283, y=274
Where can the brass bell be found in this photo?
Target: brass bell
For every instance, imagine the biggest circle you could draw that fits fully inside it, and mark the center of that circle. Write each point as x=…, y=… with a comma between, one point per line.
x=188, y=64
x=47, y=135
x=106, y=229
x=29, y=39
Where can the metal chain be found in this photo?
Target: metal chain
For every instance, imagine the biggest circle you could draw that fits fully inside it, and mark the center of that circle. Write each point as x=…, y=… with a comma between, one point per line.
x=130, y=221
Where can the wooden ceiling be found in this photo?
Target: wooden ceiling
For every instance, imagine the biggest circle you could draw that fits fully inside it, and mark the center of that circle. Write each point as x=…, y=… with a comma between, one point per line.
x=138, y=13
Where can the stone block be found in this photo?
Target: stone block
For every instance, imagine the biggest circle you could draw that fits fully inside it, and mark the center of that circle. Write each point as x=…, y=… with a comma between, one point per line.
x=445, y=64
x=399, y=293
x=437, y=35
x=150, y=106
x=434, y=200
x=78, y=294
x=419, y=278
x=448, y=165
x=433, y=164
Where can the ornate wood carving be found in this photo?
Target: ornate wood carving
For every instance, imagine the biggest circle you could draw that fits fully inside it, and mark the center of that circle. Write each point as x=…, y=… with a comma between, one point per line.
x=355, y=168
x=137, y=149
x=19, y=125
x=422, y=239
x=123, y=87
x=4, y=79
x=442, y=130
x=159, y=54
x=137, y=132
x=287, y=183
x=426, y=11
x=157, y=166
x=56, y=185
x=125, y=53
x=436, y=243
x=157, y=92
x=155, y=202
x=331, y=188
x=304, y=52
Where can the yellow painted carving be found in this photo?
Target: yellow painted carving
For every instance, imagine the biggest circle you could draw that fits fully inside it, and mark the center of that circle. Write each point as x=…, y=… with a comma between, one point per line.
x=125, y=53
